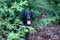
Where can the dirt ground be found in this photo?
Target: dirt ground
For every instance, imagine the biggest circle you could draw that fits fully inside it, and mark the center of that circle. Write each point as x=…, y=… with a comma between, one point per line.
x=49, y=32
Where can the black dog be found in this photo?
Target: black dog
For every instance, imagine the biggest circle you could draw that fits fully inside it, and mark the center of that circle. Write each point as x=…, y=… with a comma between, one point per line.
x=26, y=17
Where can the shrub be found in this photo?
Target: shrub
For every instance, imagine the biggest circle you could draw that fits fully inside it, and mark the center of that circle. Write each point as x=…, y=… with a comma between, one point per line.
x=50, y=9
x=11, y=27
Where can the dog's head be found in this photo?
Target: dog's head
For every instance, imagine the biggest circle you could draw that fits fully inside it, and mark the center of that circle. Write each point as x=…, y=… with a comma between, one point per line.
x=27, y=15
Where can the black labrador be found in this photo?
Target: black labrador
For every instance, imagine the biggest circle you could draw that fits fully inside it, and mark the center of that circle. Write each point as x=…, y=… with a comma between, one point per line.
x=26, y=17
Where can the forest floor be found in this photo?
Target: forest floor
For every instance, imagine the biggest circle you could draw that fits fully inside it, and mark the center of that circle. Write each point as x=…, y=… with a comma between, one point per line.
x=49, y=32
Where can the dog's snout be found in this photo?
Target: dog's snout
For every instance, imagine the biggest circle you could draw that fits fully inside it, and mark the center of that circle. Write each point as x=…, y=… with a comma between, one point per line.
x=28, y=18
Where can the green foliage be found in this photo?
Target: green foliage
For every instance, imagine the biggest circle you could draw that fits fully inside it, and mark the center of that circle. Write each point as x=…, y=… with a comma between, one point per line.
x=51, y=7
x=46, y=21
x=20, y=33
x=14, y=31
x=11, y=27
x=10, y=16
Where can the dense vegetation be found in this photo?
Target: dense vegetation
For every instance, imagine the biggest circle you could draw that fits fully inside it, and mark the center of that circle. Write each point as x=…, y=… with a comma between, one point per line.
x=12, y=28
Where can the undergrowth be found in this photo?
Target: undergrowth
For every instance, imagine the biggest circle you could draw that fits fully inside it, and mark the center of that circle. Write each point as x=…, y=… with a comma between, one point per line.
x=12, y=28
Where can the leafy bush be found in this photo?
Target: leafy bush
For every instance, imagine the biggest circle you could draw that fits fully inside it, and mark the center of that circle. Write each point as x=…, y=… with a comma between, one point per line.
x=10, y=23
x=11, y=27
x=50, y=9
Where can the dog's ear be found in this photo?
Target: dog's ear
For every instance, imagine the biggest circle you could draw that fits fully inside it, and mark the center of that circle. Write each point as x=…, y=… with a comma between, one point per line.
x=22, y=13
x=32, y=15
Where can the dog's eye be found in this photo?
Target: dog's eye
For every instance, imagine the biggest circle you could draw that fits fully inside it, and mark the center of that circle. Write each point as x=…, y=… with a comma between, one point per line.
x=29, y=13
x=25, y=13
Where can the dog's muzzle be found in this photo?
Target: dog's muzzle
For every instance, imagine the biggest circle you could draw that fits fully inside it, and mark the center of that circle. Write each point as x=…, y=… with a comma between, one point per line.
x=28, y=22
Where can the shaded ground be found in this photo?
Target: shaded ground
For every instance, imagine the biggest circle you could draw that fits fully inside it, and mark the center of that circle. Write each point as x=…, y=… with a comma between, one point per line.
x=47, y=33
